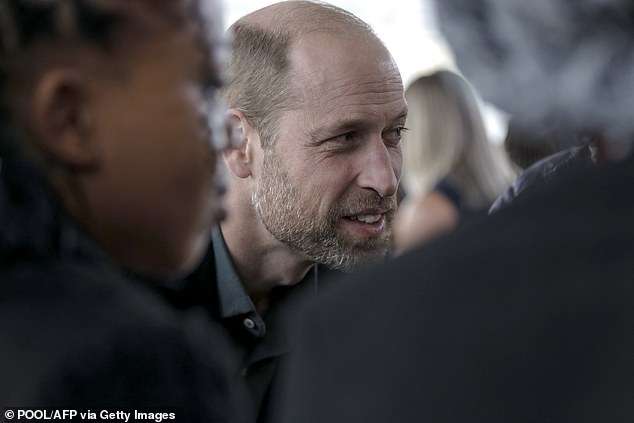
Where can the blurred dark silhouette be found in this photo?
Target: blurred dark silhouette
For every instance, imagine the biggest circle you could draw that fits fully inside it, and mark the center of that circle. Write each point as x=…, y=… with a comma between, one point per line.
x=107, y=177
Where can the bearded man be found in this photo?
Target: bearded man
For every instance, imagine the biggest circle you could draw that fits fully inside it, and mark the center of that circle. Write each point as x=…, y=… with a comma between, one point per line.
x=318, y=106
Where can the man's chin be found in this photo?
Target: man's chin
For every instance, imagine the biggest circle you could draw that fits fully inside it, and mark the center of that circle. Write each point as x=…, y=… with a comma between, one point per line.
x=368, y=246
x=359, y=258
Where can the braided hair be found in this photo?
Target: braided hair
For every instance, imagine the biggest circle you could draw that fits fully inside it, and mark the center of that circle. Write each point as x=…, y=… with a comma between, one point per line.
x=30, y=29
x=102, y=24
x=58, y=25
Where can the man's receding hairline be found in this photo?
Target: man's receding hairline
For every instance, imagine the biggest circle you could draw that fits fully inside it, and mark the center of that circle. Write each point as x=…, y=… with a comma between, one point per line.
x=297, y=17
x=267, y=37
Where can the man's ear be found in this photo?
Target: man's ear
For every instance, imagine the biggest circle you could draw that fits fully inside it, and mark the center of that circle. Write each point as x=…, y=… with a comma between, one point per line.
x=62, y=119
x=239, y=158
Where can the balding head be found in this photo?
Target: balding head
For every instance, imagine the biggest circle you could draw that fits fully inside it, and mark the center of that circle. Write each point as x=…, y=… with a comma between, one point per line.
x=302, y=17
x=260, y=85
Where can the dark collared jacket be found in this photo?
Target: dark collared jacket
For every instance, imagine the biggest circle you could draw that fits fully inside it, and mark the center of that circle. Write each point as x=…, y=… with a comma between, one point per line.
x=260, y=342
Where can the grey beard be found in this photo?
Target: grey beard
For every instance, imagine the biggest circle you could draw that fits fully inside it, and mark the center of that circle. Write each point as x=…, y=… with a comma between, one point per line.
x=280, y=209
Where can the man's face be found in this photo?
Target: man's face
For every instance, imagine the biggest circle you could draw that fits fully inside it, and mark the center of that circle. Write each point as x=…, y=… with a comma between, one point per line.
x=155, y=198
x=328, y=185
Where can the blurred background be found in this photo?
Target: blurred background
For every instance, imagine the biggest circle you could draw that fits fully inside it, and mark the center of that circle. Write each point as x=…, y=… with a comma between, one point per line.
x=409, y=30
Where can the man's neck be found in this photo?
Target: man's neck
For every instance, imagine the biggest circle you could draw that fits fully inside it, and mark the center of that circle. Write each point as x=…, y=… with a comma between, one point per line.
x=262, y=262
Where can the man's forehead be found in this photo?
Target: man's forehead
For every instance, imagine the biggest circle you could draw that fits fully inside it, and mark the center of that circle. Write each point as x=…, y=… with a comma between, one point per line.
x=343, y=65
x=353, y=106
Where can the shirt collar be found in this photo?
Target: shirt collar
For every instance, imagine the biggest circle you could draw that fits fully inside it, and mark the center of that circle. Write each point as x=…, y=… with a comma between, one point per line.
x=232, y=297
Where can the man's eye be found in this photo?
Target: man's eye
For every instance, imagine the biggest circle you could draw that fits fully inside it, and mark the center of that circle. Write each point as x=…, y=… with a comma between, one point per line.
x=343, y=140
x=394, y=136
x=342, y=143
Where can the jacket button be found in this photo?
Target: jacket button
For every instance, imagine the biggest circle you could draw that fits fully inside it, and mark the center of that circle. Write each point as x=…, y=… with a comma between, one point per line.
x=248, y=323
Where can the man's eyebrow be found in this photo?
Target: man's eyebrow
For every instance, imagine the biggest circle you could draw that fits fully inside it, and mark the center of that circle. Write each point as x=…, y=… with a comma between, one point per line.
x=344, y=125
x=402, y=115
x=338, y=127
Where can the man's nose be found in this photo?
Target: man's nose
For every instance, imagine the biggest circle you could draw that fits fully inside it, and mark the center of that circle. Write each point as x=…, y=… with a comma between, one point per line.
x=380, y=168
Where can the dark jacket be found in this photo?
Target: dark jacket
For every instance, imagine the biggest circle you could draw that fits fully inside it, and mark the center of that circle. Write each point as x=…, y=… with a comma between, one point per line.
x=260, y=356
x=76, y=331
x=526, y=316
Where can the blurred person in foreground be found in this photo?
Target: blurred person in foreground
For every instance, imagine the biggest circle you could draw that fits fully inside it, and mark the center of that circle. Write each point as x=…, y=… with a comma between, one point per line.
x=318, y=104
x=108, y=166
x=451, y=170
x=526, y=316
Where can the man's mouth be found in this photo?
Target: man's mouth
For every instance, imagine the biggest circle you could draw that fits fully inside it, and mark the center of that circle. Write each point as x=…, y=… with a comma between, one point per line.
x=366, y=218
x=369, y=224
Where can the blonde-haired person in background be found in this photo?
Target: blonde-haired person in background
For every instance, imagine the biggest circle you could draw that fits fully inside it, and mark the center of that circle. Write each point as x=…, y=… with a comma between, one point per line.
x=450, y=167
